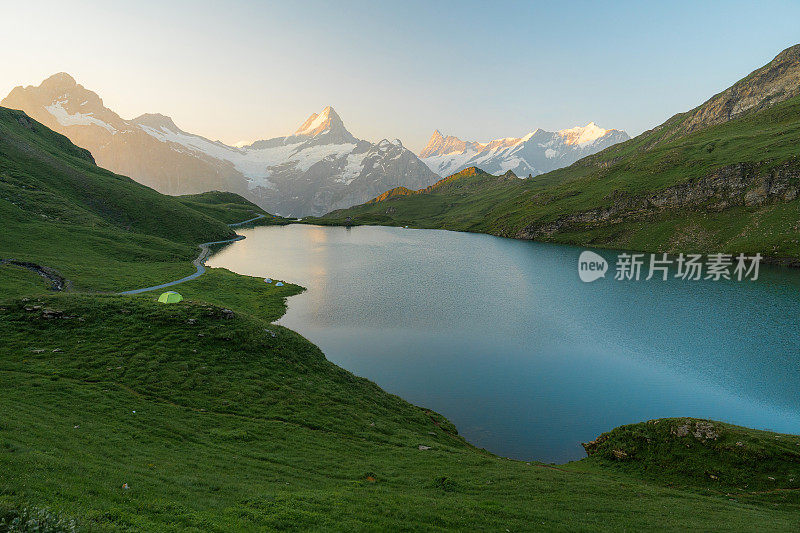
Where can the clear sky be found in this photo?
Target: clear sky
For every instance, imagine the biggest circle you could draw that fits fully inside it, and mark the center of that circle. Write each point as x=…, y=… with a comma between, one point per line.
x=249, y=70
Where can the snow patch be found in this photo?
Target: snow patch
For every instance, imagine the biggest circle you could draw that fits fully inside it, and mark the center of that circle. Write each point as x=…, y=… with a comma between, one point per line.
x=64, y=118
x=353, y=168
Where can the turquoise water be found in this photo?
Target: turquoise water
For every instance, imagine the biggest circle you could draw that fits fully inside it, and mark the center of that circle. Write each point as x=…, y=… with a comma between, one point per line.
x=503, y=338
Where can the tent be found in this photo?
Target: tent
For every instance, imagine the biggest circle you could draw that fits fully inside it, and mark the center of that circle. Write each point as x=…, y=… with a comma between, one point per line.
x=170, y=297
x=268, y=280
x=279, y=284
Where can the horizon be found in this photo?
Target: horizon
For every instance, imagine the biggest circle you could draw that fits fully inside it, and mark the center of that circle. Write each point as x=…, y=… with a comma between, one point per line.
x=211, y=83
x=245, y=143
x=389, y=83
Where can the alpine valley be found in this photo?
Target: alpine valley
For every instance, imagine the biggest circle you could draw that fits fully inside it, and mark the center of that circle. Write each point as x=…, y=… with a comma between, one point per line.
x=222, y=408
x=120, y=413
x=319, y=167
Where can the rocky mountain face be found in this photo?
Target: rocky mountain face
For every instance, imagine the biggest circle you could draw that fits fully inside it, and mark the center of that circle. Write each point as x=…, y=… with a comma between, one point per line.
x=775, y=82
x=320, y=167
x=769, y=98
x=122, y=146
x=536, y=153
x=738, y=185
x=723, y=177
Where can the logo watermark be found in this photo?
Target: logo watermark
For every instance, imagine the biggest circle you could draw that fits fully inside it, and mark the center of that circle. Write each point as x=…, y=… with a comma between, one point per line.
x=591, y=266
x=689, y=267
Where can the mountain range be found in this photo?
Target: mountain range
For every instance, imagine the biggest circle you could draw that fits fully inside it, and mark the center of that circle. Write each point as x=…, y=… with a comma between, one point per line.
x=319, y=167
x=128, y=414
x=536, y=153
x=208, y=416
x=724, y=177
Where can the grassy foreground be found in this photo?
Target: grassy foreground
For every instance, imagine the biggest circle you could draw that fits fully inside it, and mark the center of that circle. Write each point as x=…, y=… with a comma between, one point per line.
x=215, y=424
x=118, y=413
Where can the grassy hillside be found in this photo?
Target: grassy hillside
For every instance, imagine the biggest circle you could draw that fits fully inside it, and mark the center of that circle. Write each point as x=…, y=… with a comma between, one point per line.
x=687, y=452
x=120, y=413
x=708, y=179
x=216, y=425
x=46, y=177
x=100, y=230
x=228, y=207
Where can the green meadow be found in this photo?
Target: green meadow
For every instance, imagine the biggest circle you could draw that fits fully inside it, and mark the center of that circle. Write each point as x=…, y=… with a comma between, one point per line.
x=118, y=413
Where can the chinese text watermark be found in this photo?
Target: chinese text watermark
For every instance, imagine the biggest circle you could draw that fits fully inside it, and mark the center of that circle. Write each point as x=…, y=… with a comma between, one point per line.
x=690, y=267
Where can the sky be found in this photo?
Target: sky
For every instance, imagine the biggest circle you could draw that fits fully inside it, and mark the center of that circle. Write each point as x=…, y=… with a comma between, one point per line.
x=241, y=71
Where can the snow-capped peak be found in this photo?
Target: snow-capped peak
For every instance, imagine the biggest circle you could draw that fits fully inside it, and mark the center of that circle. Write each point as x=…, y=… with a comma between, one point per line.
x=326, y=127
x=582, y=134
x=529, y=136
x=537, y=152
x=387, y=143
x=318, y=124
x=320, y=168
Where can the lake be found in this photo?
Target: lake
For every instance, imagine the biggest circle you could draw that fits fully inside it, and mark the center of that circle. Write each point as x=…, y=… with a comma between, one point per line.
x=504, y=339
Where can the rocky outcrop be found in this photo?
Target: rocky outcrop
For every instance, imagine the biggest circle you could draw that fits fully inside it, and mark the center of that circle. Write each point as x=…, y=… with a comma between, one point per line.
x=699, y=429
x=743, y=184
x=771, y=84
x=775, y=82
x=593, y=445
x=57, y=281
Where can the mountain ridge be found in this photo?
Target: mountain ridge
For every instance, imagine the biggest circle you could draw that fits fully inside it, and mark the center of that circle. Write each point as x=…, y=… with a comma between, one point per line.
x=537, y=152
x=321, y=166
x=699, y=182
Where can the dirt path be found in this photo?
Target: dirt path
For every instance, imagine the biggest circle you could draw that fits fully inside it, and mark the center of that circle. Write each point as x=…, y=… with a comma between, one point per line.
x=199, y=262
x=235, y=224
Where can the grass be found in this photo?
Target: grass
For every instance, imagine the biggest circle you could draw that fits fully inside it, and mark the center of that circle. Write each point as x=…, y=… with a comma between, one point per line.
x=689, y=453
x=120, y=413
x=16, y=281
x=229, y=208
x=236, y=430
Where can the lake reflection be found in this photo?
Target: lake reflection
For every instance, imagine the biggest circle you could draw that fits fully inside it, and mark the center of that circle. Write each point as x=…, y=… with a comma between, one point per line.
x=503, y=338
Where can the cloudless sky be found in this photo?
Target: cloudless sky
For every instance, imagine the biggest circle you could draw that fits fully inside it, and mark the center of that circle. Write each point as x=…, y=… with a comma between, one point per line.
x=251, y=70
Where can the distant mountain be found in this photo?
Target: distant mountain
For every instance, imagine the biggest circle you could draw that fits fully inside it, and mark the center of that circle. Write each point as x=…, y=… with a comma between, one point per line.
x=318, y=168
x=536, y=153
x=722, y=177
x=53, y=194
x=124, y=146
x=322, y=166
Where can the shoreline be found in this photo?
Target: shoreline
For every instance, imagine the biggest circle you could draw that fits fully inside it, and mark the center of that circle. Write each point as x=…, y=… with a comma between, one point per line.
x=788, y=262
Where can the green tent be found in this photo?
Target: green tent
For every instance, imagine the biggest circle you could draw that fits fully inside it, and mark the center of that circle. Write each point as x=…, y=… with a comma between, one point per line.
x=170, y=297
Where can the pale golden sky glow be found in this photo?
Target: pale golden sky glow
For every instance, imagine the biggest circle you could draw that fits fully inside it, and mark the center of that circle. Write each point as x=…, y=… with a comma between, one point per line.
x=247, y=70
